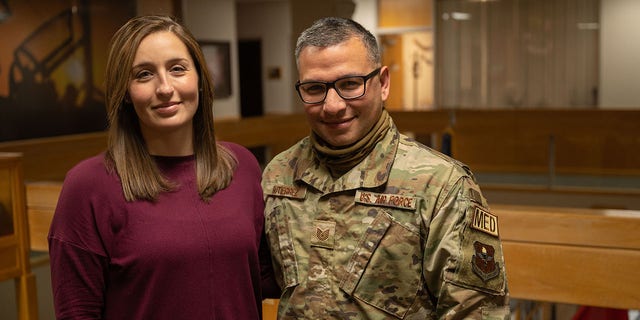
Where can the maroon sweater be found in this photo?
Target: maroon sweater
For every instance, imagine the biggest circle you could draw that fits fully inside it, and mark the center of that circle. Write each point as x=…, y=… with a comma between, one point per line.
x=176, y=258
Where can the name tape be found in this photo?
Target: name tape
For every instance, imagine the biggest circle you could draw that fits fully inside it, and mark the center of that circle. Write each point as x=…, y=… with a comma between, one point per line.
x=386, y=200
x=288, y=191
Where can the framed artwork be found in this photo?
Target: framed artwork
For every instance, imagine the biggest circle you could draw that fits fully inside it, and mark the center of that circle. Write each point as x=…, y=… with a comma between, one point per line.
x=219, y=63
x=52, y=63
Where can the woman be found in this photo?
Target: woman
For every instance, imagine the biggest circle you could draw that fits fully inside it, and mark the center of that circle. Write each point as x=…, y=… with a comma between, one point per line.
x=167, y=223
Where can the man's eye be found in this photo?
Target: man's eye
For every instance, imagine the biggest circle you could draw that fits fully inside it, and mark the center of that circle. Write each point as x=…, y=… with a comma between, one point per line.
x=314, y=88
x=350, y=84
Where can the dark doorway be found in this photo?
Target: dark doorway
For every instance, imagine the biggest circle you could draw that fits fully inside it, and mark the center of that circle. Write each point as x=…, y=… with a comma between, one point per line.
x=250, y=61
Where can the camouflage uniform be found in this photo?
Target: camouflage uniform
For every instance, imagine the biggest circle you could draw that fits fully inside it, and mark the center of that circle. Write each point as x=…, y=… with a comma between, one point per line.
x=406, y=234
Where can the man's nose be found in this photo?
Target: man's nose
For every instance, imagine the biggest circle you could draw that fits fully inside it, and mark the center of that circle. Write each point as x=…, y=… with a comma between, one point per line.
x=333, y=103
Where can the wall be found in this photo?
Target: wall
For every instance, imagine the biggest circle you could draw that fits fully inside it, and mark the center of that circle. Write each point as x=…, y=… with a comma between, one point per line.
x=619, y=52
x=366, y=13
x=270, y=22
x=216, y=21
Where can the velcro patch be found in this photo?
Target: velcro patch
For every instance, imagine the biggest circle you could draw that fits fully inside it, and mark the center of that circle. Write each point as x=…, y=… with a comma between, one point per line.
x=288, y=191
x=386, y=200
x=483, y=261
x=323, y=234
x=485, y=221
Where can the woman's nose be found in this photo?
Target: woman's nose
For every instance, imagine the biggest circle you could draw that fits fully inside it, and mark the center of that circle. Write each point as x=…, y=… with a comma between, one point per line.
x=164, y=87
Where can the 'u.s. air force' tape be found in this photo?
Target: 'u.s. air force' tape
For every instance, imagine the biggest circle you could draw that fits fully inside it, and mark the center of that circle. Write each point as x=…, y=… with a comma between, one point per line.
x=386, y=200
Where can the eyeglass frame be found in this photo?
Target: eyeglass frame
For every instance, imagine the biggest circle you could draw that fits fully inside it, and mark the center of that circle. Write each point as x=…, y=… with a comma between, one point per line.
x=329, y=85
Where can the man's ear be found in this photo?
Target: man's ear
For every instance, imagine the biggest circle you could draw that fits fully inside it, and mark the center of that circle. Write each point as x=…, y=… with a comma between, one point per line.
x=385, y=82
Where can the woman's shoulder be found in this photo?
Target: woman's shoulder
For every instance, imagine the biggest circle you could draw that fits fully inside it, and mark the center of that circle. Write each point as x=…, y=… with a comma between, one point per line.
x=243, y=156
x=87, y=171
x=92, y=164
x=240, y=152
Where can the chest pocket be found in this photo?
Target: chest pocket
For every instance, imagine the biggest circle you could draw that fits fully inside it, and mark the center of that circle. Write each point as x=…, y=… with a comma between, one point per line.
x=385, y=268
x=281, y=244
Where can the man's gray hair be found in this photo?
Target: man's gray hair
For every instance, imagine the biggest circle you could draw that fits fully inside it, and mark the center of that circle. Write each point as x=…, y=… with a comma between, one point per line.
x=331, y=31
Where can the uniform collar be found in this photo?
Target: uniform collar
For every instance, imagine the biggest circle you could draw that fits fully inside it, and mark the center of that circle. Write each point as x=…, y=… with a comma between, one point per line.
x=371, y=172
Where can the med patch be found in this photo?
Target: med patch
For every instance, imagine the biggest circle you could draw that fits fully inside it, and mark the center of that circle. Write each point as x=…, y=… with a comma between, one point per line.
x=485, y=221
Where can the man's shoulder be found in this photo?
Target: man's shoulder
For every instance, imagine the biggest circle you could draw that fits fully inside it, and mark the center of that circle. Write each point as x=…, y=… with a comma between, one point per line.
x=413, y=154
x=300, y=150
x=287, y=162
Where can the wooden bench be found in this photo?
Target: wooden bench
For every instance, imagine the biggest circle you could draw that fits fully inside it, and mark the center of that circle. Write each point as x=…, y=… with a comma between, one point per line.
x=575, y=256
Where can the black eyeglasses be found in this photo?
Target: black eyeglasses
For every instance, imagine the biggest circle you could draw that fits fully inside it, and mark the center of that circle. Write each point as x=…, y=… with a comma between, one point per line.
x=348, y=88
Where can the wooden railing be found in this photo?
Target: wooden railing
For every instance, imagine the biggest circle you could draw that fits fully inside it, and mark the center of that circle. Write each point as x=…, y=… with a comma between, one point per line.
x=561, y=141
x=591, y=142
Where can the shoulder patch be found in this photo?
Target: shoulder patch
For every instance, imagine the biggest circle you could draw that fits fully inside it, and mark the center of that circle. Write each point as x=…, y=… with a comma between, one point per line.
x=483, y=261
x=386, y=200
x=287, y=191
x=485, y=221
x=475, y=195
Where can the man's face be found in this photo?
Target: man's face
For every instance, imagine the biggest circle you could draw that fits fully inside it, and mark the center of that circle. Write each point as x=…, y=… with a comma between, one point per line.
x=337, y=121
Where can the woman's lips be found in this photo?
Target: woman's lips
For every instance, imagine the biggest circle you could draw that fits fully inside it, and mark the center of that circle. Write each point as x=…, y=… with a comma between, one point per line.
x=167, y=108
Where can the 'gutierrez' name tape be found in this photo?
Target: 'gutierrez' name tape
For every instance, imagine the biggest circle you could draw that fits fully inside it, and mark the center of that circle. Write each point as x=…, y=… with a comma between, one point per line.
x=287, y=191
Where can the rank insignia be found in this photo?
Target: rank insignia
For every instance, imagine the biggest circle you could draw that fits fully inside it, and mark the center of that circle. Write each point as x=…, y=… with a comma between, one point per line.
x=322, y=234
x=483, y=262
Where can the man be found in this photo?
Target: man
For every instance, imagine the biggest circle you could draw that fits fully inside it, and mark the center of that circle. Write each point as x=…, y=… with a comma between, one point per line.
x=363, y=222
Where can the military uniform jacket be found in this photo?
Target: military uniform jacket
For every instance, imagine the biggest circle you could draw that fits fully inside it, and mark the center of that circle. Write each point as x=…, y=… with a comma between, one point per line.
x=405, y=234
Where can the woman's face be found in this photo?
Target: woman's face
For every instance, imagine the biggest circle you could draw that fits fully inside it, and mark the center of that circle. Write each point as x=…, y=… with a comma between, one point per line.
x=163, y=86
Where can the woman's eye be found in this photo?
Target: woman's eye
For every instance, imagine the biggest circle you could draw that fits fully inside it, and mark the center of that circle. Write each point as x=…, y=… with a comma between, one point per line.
x=143, y=74
x=178, y=69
